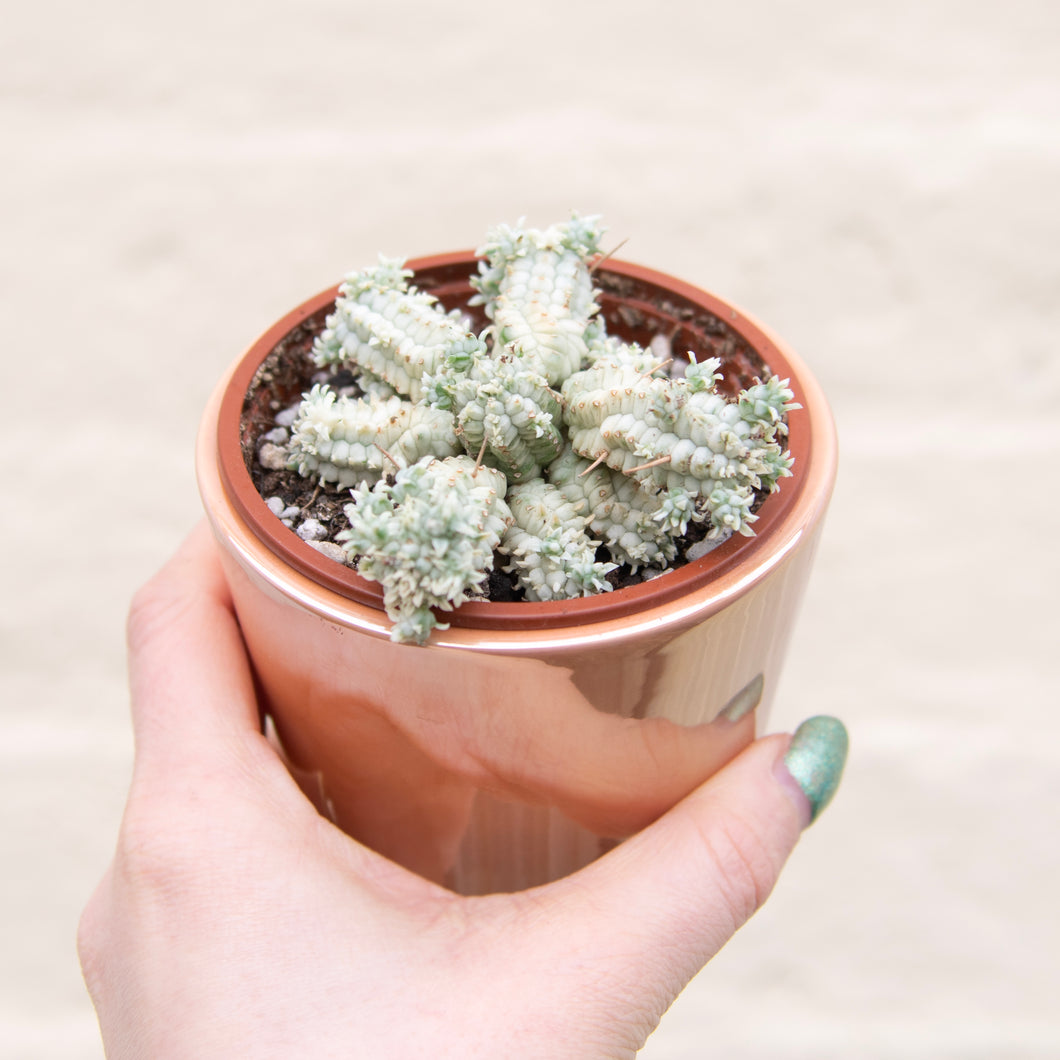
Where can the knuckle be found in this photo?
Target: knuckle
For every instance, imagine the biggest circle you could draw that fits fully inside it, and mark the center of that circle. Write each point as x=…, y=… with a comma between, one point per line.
x=744, y=868
x=161, y=858
x=150, y=609
x=146, y=860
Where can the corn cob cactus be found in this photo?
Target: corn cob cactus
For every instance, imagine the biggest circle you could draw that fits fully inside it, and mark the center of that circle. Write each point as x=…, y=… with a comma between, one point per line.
x=552, y=556
x=391, y=330
x=538, y=292
x=428, y=537
x=504, y=409
x=630, y=521
x=681, y=436
x=349, y=441
x=580, y=441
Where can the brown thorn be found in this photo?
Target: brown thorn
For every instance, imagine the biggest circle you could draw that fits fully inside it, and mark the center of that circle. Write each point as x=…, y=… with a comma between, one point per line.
x=610, y=254
x=652, y=371
x=596, y=463
x=387, y=455
x=651, y=463
x=481, y=454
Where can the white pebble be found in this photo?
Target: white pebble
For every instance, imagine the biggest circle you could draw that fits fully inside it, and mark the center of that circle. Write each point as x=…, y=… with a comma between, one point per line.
x=278, y=436
x=291, y=512
x=312, y=530
x=701, y=548
x=329, y=549
x=662, y=347
x=286, y=417
x=275, y=505
x=272, y=457
x=650, y=573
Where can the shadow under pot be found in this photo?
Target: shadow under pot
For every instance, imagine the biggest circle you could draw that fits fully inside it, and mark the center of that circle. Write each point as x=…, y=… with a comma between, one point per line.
x=528, y=738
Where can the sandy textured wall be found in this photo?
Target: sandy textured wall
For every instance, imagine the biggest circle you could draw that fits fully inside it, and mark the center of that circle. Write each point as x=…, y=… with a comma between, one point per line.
x=877, y=182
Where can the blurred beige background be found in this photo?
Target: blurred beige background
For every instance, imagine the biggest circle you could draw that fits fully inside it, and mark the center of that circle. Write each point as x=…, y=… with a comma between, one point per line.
x=877, y=182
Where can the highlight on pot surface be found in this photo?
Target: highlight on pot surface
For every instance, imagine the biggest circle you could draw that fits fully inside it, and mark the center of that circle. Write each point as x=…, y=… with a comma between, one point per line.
x=541, y=455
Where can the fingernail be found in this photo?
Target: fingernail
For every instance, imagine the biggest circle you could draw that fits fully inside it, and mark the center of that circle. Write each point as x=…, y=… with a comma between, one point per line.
x=816, y=757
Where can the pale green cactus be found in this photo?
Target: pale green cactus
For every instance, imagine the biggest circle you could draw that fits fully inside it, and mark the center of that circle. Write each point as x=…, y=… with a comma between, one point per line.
x=391, y=330
x=538, y=292
x=604, y=347
x=350, y=441
x=584, y=446
x=552, y=556
x=504, y=409
x=630, y=521
x=613, y=386
x=428, y=537
x=681, y=436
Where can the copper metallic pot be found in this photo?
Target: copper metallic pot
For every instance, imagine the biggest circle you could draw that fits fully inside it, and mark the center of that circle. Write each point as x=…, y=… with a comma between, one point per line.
x=528, y=738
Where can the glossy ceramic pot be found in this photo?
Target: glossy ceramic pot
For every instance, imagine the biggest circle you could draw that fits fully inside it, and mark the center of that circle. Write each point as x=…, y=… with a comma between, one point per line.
x=528, y=738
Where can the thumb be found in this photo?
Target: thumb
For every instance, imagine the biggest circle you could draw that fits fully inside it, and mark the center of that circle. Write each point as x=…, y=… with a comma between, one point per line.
x=659, y=906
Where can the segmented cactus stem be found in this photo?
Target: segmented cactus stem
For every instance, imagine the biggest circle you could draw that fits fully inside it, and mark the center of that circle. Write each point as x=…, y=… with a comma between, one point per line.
x=391, y=330
x=428, y=538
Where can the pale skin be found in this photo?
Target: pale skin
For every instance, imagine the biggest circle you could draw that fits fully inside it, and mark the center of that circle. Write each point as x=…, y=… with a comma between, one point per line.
x=236, y=921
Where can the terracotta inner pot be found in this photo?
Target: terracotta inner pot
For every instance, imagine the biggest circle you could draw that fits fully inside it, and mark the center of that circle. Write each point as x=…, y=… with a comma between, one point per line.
x=637, y=304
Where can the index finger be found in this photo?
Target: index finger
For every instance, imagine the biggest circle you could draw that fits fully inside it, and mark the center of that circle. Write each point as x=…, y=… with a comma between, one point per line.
x=189, y=676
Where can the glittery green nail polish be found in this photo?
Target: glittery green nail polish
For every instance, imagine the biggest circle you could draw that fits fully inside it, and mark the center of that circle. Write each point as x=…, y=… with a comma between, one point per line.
x=815, y=759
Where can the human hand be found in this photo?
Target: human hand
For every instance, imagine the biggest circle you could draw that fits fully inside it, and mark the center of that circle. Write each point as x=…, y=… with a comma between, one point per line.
x=236, y=921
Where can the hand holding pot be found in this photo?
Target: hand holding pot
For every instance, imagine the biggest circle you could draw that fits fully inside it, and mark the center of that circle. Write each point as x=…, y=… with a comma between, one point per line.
x=235, y=920
x=521, y=743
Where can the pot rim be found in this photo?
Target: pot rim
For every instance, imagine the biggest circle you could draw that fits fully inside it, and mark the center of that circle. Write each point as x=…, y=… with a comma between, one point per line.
x=681, y=596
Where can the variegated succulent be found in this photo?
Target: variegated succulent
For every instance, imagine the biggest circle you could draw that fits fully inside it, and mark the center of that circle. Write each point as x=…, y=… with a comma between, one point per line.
x=542, y=440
